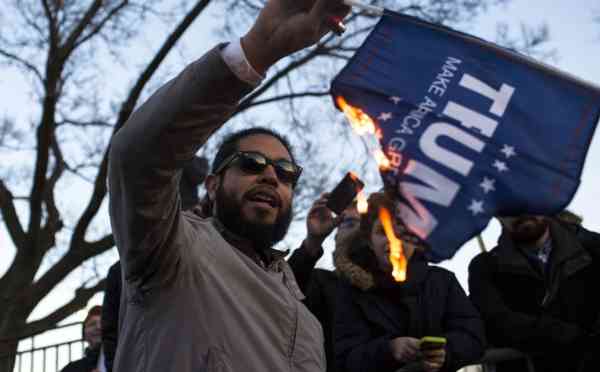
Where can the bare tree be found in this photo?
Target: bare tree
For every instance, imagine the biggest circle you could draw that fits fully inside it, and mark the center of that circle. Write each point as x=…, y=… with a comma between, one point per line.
x=60, y=48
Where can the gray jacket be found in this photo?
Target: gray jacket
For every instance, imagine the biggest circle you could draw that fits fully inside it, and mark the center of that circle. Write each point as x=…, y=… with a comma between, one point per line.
x=191, y=302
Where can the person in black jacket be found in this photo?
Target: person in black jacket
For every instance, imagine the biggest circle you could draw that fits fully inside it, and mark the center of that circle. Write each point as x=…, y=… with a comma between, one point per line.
x=320, y=285
x=91, y=335
x=537, y=292
x=379, y=322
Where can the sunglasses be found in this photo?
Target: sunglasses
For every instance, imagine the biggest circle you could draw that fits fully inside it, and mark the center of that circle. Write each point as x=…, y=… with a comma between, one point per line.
x=255, y=163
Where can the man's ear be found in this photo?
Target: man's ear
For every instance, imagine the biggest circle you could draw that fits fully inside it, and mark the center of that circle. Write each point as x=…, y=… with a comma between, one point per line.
x=212, y=184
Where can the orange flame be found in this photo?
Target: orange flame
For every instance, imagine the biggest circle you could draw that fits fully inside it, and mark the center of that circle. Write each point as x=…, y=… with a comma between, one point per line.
x=362, y=206
x=382, y=160
x=397, y=257
x=359, y=120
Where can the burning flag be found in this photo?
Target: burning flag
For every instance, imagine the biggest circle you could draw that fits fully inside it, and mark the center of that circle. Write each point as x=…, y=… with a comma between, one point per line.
x=468, y=130
x=397, y=258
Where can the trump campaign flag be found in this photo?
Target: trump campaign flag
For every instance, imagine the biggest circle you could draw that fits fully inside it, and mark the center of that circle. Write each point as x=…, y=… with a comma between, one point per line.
x=471, y=130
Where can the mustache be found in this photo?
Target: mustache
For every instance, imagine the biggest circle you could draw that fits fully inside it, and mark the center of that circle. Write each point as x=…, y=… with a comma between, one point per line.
x=264, y=189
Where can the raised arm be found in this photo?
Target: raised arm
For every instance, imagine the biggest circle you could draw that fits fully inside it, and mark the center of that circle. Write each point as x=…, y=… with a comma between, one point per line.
x=148, y=152
x=167, y=130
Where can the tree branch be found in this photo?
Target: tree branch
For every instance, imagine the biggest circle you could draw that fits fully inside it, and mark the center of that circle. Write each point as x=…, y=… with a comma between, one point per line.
x=82, y=296
x=286, y=96
x=23, y=62
x=245, y=104
x=53, y=221
x=126, y=108
x=100, y=24
x=70, y=44
x=51, y=25
x=11, y=219
x=66, y=264
x=83, y=124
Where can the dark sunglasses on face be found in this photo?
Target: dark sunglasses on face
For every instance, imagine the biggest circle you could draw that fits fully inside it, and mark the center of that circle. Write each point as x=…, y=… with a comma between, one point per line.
x=255, y=163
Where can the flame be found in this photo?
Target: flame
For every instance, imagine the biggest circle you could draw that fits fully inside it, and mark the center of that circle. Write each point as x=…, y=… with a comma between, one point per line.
x=382, y=160
x=397, y=257
x=359, y=120
x=362, y=206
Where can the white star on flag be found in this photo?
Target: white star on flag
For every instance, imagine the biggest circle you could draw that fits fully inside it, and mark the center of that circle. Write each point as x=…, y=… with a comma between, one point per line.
x=508, y=151
x=385, y=116
x=500, y=165
x=476, y=207
x=395, y=99
x=488, y=184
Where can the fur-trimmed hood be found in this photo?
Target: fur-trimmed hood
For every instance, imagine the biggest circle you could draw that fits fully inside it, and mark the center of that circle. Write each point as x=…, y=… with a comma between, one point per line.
x=348, y=267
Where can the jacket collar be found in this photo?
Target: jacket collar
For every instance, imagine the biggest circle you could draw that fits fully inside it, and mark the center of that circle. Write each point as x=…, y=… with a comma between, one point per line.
x=267, y=258
x=564, y=247
x=385, y=296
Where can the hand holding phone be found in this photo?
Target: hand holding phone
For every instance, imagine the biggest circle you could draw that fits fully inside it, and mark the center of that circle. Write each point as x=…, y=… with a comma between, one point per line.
x=344, y=193
x=431, y=342
x=433, y=352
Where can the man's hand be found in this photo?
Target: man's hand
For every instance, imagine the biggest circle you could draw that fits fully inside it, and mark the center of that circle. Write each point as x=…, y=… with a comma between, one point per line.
x=320, y=222
x=405, y=349
x=433, y=359
x=286, y=26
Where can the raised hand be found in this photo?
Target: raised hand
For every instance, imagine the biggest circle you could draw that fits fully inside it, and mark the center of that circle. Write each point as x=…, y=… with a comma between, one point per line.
x=286, y=26
x=320, y=222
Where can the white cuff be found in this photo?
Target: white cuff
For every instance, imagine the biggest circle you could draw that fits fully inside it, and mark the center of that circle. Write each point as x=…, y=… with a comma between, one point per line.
x=235, y=58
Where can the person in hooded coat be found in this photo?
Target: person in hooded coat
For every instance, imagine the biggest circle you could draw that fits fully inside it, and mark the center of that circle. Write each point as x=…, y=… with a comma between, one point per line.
x=379, y=322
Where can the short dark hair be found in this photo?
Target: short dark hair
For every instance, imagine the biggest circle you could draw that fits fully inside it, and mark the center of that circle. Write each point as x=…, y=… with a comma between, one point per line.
x=230, y=144
x=94, y=311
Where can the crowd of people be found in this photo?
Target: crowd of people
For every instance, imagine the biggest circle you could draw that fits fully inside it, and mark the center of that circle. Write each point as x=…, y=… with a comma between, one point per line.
x=199, y=286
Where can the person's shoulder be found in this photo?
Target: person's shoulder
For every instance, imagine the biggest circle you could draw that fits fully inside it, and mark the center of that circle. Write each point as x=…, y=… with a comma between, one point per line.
x=75, y=366
x=323, y=274
x=441, y=275
x=484, y=258
x=439, y=271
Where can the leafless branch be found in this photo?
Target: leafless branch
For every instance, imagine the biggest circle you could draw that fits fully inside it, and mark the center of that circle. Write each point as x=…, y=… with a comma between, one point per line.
x=11, y=219
x=78, y=302
x=29, y=66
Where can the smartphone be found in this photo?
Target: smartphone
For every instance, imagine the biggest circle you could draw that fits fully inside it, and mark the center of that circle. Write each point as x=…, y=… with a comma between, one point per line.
x=431, y=342
x=344, y=193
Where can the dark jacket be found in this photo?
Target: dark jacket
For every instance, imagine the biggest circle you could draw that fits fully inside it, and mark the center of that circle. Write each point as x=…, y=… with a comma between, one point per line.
x=110, y=314
x=86, y=364
x=319, y=287
x=430, y=303
x=320, y=300
x=552, y=314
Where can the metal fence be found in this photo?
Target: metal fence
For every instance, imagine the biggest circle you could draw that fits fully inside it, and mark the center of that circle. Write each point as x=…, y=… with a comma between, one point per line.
x=41, y=353
x=48, y=351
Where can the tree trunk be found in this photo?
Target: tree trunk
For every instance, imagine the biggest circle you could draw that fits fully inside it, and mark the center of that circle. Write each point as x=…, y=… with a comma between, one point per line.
x=13, y=320
x=8, y=352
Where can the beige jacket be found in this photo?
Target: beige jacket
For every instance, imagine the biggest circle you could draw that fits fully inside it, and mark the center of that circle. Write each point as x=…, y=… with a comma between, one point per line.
x=191, y=302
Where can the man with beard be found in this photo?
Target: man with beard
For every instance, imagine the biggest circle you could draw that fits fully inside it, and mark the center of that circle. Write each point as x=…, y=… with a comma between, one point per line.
x=537, y=293
x=209, y=294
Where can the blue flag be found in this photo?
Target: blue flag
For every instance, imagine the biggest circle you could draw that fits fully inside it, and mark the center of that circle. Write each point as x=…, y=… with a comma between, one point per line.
x=472, y=130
